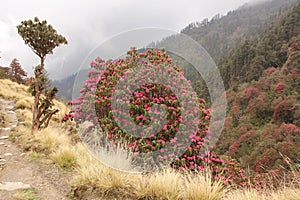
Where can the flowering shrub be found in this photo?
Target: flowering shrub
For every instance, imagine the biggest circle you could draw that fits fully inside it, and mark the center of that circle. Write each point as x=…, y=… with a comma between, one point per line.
x=268, y=180
x=68, y=122
x=142, y=111
x=147, y=105
x=230, y=173
x=284, y=111
x=66, y=117
x=264, y=162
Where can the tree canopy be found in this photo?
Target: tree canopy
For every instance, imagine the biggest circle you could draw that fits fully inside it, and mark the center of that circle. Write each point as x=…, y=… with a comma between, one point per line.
x=40, y=37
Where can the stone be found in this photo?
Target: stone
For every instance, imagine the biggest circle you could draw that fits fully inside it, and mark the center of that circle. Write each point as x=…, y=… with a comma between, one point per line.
x=7, y=154
x=5, y=129
x=4, y=137
x=10, y=186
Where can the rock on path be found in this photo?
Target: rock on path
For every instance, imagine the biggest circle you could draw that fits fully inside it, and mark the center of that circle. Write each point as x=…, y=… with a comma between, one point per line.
x=10, y=186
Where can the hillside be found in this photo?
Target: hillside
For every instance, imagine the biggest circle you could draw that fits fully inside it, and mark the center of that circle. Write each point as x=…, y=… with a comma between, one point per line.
x=247, y=62
x=223, y=33
x=262, y=124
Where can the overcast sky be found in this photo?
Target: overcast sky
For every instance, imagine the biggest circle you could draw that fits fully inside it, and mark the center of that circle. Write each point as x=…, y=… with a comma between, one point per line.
x=87, y=24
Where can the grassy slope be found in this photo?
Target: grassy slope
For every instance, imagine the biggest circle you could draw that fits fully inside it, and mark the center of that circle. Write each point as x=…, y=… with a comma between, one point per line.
x=92, y=179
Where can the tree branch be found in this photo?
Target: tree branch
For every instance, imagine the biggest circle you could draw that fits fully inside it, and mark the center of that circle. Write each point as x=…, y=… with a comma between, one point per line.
x=48, y=117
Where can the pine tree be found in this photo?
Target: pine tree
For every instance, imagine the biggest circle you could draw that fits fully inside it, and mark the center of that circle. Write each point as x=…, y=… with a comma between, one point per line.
x=16, y=73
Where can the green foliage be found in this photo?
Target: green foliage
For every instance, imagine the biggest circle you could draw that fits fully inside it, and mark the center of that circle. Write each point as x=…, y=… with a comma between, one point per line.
x=40, y=37
x=248, y=62
x=223, y=33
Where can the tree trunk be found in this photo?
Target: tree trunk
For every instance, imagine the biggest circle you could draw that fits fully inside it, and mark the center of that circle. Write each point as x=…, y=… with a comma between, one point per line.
x=35, y=118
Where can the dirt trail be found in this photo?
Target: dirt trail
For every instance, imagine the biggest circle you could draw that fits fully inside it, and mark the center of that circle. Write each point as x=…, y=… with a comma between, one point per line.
x=18, y=171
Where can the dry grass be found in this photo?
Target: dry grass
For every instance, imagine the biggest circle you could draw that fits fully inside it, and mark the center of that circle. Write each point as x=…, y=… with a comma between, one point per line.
x=251, y=194
x=25, y=103
x=105, y=181
x=166, y=184
x=17, y=92
x=65, y=157
x=92, y=179
x=202, y=187
x=53, y=138
x=115, y=157
x=287, y=194
x=25, y=116
x=12, y=90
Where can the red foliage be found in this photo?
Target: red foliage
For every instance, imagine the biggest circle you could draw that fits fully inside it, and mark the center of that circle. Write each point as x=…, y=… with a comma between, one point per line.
x=269, y=71
x=279, y=87
x=241, y=130
x=287, y=148
x=231, y=173
x=234, y=148
x=248, y=137
x=251, y=92
x=287, y=129
x=266, y=160
x=284, y=111
x=235, y=110
x=227, y=123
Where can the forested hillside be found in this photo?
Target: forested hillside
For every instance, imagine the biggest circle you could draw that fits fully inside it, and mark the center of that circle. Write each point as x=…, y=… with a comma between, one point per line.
x=247, y=62
x=221, y=34
x=262, y=124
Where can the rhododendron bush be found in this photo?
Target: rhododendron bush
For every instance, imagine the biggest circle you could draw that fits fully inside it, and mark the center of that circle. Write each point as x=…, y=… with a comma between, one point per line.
x=144, y=101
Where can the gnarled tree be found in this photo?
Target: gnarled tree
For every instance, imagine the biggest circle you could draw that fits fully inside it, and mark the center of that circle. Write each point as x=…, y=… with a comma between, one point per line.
x=42, y=39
